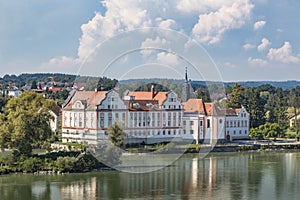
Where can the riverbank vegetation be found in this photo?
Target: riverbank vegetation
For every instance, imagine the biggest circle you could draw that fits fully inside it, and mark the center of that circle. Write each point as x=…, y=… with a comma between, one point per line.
x=54, y=162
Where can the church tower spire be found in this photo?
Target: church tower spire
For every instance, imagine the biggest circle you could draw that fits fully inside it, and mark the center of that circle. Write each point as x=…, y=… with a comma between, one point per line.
x=186, y=76
x=185, y=93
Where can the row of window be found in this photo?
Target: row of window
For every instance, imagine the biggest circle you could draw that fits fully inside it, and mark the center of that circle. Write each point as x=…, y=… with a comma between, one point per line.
x=240, y=132
x=164, y=132
x=239, y=123
x=243, y=115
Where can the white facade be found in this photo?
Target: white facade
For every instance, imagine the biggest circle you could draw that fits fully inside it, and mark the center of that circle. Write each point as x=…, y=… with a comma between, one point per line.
x=149, y=117
x=237, y=124
x=143, y=120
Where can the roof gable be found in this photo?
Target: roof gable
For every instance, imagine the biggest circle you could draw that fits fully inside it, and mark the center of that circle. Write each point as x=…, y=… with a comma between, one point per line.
x=91, y=98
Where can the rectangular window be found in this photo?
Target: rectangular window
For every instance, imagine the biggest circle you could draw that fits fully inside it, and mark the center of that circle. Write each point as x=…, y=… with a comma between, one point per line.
x=208, y=123
x=123, y=117
x=191, y=123
x=109, y=119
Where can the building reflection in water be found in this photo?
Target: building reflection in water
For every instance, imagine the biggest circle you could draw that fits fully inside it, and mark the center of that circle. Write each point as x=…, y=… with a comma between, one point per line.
x=217, y=176
x=86, y=189
x=264, y=175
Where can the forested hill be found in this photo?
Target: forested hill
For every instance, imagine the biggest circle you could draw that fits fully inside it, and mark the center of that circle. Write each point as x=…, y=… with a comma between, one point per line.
x=26, y=78
x=281, y=84
x=23, y=79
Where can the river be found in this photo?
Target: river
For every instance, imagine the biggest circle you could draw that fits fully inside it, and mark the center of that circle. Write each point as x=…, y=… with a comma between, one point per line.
x=255, y=175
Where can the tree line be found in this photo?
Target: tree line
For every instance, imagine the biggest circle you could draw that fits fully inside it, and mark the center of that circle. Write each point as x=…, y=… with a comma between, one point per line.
x=270, y=108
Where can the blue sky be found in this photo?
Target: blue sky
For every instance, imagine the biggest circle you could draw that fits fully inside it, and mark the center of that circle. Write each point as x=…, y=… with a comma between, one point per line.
x=245, y=40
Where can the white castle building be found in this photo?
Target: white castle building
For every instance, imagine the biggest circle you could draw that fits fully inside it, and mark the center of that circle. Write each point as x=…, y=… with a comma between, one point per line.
x=149, y=117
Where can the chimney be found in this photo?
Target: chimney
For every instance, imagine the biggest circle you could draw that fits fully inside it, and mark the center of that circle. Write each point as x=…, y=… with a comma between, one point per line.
x=152, y=91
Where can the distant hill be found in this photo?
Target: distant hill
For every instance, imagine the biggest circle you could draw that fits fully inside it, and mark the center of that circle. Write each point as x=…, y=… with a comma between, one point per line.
x=26, y=78
x=282, y=84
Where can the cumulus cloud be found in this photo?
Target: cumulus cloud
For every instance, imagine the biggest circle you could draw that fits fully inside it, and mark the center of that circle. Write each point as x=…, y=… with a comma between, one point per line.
x=167, y=58
x=257, y=61
x=248, y=46
x=211, y=27
x=120, y=16
x=153, y=43
x=188, y=6
x=214, y=19
x=166, y=24
x=259, y=25
x=283, y=54
x=62, y=63
x=265, y=43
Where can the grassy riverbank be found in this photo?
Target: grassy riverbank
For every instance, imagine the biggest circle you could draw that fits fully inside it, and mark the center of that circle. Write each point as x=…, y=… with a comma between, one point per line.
x=81, y=161
x=54, y=162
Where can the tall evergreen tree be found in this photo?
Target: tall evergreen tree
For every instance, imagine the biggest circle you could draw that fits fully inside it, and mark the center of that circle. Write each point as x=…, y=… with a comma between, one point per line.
x=255, y=108
x=293, y=101
x=280, y=109
x=237, y=97
x=270, y=109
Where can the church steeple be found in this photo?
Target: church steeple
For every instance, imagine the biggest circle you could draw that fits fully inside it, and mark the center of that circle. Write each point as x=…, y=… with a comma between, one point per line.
x=186, y=76
x=185, y=94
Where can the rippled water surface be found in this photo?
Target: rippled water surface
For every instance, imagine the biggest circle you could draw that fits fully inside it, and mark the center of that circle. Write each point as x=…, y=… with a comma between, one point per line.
x=264, y=175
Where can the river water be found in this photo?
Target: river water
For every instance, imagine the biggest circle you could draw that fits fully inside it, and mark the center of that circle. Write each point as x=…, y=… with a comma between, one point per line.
x=257, y=175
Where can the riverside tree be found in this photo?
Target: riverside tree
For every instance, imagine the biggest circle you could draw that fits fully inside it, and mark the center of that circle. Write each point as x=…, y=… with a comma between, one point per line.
x=110, y=153
x=236, y=97
x=25, y=122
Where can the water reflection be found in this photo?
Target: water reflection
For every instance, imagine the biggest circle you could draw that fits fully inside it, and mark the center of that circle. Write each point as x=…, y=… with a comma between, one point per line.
x=264, y=175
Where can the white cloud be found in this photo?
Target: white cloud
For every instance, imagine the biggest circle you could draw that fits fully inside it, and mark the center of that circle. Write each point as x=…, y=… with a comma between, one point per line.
x=265, y=43
x=63, y=63
x=211, y=27
x=257, y=61
x=153, y=43
x=214, y=19
x=248, y=46
x=230, y=65
x=283, y=54
x=120, y=16
x=188, y=6
x=167, y=58
x=259, y=25
x=166, y=24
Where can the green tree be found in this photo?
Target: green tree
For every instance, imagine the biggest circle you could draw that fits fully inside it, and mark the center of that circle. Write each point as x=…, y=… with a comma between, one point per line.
x=294, y=103
x=110, y=153
x=280, y=109
x=116, y=134
x=255, y=107
x=256, y=133
x=272, y=130
x=25, y=123
x=267, y=130
x=202, y=93
x=270, y=109
x=33, y=84
x=237, y=97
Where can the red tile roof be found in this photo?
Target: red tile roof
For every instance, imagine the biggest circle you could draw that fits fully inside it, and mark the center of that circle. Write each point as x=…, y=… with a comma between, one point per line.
x=194, y=105
x=91, y=98
x=232, y=111
x=159, y=96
